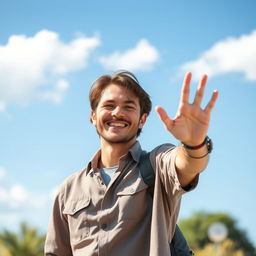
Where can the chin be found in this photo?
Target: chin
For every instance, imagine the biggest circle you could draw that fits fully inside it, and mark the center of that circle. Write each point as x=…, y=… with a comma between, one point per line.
x=118, y=139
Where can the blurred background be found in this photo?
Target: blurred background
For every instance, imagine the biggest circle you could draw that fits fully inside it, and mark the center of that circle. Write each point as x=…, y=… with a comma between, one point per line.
x=52, y=51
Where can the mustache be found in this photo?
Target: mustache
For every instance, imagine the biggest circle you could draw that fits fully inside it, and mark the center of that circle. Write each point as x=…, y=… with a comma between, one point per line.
x=121, y=119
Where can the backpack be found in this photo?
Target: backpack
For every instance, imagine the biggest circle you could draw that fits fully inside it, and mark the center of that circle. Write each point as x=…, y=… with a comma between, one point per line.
x=178, y=245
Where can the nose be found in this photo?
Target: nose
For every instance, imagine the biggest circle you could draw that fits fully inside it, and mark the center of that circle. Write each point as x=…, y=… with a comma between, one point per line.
x=117, y=112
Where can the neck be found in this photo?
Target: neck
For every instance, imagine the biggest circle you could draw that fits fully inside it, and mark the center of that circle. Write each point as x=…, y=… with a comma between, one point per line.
x=111, y=153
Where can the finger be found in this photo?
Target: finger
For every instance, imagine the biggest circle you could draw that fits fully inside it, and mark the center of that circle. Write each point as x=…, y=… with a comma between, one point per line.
x=200, y=90
x=212, y=102
x=164, y=117
x=185, y=88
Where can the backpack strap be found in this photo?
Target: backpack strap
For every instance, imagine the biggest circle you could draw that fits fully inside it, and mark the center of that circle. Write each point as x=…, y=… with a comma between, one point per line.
x=178, y=245
x=147, y=172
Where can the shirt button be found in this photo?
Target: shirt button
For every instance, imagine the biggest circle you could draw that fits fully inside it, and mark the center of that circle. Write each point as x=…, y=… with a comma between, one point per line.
x=104, y=226
x=132, y=190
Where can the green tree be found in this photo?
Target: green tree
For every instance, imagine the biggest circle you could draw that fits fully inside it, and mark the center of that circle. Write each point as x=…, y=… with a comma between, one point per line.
x=27, y=242
x=196, y=227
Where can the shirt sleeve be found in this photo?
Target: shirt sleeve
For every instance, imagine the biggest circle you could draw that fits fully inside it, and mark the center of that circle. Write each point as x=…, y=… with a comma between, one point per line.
x=163, y=159
x=57, y=238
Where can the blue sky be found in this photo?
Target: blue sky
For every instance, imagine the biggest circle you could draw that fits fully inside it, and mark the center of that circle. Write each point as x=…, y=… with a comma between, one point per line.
x=51, y=52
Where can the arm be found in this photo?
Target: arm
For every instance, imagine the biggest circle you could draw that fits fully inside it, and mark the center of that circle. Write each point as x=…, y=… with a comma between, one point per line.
x=190, y=126
x=57, y=239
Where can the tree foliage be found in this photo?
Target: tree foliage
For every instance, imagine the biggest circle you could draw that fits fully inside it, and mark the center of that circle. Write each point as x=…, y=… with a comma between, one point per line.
x=196, y=227
x=227, y=248
x=27, y=242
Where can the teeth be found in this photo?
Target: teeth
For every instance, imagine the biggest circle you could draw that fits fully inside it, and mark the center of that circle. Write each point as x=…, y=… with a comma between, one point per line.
x=117, y=124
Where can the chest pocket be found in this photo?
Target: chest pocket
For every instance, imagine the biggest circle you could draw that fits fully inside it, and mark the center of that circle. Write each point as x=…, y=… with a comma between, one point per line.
x=133, y=200
x=76, y=211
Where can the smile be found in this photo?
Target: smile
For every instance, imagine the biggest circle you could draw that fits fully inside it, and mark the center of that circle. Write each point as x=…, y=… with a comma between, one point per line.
x=117, y=124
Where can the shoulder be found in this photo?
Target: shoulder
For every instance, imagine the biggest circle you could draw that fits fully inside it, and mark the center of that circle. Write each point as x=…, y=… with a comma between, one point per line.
x=163, y=155
x=72, y=184
x=162, y=149
x=75, y=177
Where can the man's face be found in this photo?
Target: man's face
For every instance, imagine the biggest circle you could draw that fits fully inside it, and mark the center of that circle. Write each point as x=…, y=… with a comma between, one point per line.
x=117, y=116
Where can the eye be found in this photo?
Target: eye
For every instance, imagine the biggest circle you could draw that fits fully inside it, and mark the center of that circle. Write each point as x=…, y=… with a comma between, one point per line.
x=130, y=107
x=109, y=106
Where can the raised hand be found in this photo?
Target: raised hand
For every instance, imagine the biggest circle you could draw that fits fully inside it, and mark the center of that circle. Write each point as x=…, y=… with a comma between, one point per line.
x=191, y=123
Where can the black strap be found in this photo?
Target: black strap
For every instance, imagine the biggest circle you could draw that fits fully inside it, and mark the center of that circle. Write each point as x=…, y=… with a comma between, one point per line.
x=147, y=172
x=178, y=245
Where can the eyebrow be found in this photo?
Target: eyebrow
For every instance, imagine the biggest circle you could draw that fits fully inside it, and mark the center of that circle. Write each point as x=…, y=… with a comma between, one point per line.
x=130, y=102
x=125, y=102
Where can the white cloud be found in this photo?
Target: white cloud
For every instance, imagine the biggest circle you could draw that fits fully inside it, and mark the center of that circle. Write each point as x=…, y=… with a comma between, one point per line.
x=229, y=55
x=142, y=57
x=57, y=93
x=18, y=193
x=17, y=203
x=30, y=66
x=16, y=199
x=14, y=196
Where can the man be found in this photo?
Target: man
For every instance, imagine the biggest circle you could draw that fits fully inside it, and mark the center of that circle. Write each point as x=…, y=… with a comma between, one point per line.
x=105, y=209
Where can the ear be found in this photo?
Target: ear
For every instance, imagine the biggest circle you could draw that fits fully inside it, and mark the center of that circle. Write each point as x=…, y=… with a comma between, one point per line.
x=93, y=117
x=143, y=120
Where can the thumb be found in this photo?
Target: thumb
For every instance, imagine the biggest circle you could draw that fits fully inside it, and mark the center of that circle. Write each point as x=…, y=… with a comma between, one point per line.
x=164, y=117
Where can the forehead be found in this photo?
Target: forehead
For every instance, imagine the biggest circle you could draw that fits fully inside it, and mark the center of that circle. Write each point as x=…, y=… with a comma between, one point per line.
x=118, y=93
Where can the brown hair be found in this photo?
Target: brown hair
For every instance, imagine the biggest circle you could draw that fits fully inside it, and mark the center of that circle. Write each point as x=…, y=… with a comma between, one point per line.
x=122, y=78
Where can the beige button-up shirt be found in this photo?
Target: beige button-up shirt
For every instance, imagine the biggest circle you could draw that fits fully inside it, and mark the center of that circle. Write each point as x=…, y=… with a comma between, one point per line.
x=121, y=219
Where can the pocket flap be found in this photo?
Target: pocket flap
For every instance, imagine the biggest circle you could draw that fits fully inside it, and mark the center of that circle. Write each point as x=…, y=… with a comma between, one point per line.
x=132, y=189
x=74, y=206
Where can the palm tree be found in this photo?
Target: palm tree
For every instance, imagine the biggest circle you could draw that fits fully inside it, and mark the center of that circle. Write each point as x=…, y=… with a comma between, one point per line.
x=28, y=242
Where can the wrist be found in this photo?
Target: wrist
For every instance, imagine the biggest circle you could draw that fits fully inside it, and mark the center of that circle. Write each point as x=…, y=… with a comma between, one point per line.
x=199, y=151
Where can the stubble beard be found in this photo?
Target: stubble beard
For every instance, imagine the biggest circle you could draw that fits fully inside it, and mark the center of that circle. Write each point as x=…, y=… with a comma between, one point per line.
x=123, y=140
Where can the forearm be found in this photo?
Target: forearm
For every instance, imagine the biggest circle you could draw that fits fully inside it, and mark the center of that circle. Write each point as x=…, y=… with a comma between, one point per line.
x=189, y=163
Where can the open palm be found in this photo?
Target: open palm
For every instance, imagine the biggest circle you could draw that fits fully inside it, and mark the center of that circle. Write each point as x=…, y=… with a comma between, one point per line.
x=191, y=122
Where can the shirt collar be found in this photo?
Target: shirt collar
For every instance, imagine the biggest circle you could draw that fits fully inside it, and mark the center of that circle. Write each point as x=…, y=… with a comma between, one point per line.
x=93, y=164
x=135, y=152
